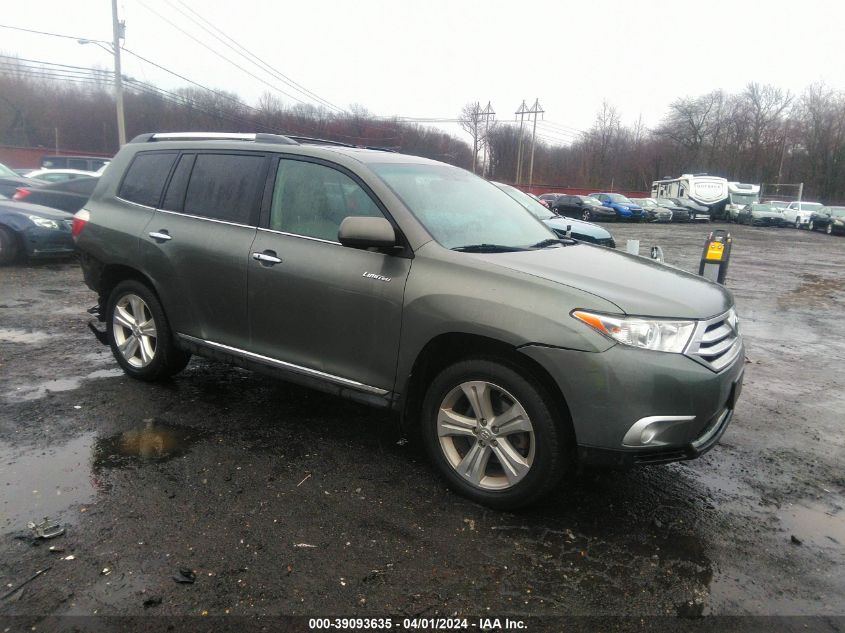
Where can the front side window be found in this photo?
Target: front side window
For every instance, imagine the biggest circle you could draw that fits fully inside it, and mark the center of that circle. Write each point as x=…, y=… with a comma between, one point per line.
x=312, y=200
x=225, y=187
x=144, y=180
x=460, y=209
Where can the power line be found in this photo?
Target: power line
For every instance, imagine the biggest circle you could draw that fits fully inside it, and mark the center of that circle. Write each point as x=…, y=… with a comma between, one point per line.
x=220, y=55
x=69, y=37
x=249, y=55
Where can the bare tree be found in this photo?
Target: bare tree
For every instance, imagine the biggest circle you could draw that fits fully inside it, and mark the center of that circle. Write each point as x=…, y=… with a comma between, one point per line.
x=470, y=121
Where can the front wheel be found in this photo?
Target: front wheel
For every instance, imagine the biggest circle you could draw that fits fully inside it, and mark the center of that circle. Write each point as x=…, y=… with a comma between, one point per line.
x=797, y=223
x=139, y=335
x=492, y=434
x=829, y=228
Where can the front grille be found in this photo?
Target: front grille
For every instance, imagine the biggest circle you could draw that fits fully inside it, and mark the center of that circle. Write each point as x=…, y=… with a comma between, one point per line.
x=716, y=342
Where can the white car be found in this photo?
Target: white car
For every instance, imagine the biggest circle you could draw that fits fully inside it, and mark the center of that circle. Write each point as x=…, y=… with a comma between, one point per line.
x=798, y=213
x=59, y=175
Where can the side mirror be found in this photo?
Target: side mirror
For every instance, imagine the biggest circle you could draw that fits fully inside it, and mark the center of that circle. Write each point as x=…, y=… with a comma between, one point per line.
x=366, y=232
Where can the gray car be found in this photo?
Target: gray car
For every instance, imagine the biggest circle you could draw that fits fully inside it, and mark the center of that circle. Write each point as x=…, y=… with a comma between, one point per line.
x=413, y=286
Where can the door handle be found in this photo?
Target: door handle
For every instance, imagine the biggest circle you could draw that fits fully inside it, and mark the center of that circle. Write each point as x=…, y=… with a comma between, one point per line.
x=161, y=235
x=267, y=257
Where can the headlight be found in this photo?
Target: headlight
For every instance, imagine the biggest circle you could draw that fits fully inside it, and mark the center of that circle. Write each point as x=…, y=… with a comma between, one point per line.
x=44, y=223
x=661, y=335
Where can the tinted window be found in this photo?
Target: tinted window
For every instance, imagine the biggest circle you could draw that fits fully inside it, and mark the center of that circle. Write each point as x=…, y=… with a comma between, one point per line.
x=175, y=195
x=225, y=187
x=312, y=200
x=80, y=185
x=145, y=178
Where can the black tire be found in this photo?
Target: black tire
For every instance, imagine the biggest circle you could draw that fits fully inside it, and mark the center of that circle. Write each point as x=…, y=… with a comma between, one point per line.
x=9, y=246
x=553, y=440
x=166, y=359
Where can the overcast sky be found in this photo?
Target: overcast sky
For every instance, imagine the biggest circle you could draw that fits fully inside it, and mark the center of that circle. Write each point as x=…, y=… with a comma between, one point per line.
x=429, y=58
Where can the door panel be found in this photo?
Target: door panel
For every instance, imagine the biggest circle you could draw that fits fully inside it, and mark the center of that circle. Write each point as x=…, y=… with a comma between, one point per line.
x=201, y=273
x=316, y=309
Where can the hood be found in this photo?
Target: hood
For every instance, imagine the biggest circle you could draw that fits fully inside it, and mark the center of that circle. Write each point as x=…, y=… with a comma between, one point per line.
x=578, y=226
x=766, y=214
x=638, y=286
x=24, y=208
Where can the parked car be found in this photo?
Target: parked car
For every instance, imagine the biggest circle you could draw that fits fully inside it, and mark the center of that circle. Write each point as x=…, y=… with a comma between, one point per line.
x=679, y=213
x=33, y=231
x=761, y=214
x=798, y=213
x=85, y=163
x=9, y=181
x=549, y=199
x=68, y=195
x=828, y=219
x=697, y=212
x=624, y=208
x=563, y=227
x=516, y=354
x=583, y=207
x=653, y=211
x=59, y=175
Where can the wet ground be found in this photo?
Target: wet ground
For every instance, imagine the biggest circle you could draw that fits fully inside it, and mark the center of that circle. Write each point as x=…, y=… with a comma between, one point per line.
x=286, y=501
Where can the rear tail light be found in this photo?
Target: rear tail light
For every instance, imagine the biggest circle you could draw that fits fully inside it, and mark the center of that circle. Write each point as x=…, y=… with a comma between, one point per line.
x=80, y=219
x=21, y=193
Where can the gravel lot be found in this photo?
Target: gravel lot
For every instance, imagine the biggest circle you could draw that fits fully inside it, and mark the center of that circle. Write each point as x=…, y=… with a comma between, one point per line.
x=287, y=501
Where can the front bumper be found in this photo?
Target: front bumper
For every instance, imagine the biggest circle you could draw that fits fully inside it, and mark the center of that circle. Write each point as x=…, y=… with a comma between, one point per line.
x=608, y=392
x=43, y=242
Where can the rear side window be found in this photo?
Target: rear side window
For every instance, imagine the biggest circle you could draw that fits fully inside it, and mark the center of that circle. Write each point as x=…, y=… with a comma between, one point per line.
x=144, y=180
x=225, y=187
x=175, y=196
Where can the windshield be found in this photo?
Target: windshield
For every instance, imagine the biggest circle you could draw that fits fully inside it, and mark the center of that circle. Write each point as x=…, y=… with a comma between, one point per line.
x=537, y=209
x=765, y=207
x=644, y=202
x=593, y=201
x=618, y=197
x=837, y=212
x=5, y=171
x=665, y=203
x=810, y=206
x=460, y=209
x=744, y=198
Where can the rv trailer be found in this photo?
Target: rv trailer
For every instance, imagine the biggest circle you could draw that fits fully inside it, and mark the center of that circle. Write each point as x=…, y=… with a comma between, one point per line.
x=710, y=191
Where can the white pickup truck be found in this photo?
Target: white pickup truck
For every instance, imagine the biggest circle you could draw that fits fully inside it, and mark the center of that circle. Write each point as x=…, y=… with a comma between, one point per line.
x=798, y=213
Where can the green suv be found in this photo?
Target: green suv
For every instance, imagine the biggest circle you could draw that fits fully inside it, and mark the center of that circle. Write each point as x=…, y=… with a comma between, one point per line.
x=411, y=285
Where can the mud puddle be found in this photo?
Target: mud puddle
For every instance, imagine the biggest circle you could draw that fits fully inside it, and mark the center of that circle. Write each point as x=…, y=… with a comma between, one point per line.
x=45, y=482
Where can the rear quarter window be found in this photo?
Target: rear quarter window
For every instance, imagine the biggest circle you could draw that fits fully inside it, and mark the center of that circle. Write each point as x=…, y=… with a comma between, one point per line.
x=145, y=178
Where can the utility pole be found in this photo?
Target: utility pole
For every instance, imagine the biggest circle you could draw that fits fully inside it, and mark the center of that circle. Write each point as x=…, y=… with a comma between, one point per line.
x=476, y=120
x=488, y=114
x=535, y=110
x=523, y=109
x=117, y=33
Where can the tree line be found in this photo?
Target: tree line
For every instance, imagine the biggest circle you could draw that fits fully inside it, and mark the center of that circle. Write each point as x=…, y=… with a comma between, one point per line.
x=761, y=134
x=39, y=110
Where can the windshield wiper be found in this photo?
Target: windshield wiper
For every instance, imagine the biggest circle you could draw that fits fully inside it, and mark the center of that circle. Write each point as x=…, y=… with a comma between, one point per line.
x=552, y=242
x=487, y=248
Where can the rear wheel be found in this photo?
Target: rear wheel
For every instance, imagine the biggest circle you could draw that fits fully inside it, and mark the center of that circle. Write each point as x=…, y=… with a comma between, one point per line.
x=9, y=246
x=812, y=225
x=139, y=335
x=586, y=216
x=797, y=223
x=492, y=434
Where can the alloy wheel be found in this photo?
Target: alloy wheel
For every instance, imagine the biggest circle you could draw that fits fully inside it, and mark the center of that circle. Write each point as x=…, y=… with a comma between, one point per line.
x=797, y=223
x=586, y=215
x=134, y=330
x=829, y=228
x=486, y=435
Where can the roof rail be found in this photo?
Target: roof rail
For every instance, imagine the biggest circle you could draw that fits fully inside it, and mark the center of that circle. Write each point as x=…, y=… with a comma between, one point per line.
x=381, y=149
x=319, y=141
x=214, y=136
